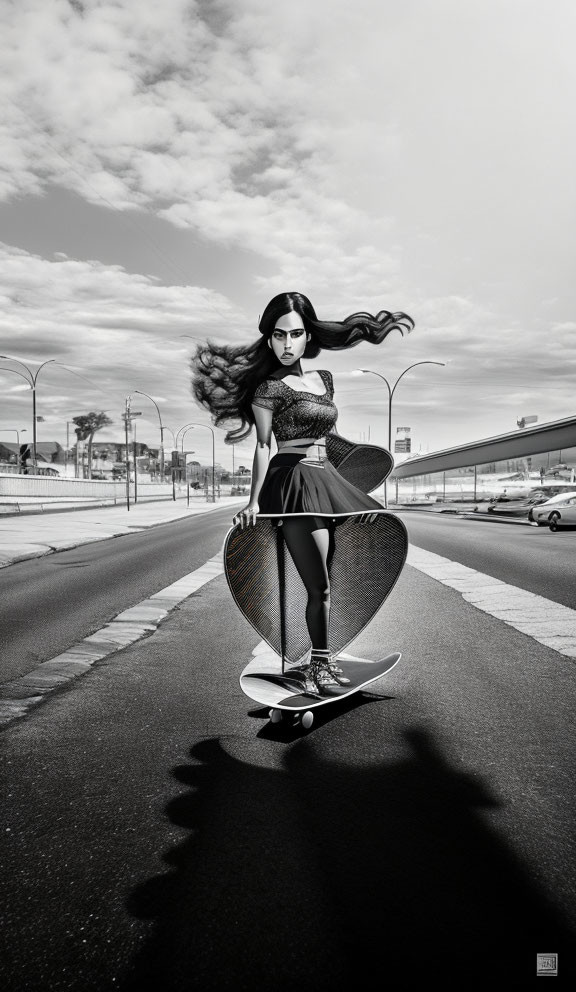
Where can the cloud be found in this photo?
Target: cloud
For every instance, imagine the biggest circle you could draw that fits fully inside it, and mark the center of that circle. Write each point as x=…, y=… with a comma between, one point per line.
x=205, y=119
x=313, y=134
x=407, y=155
x=115, y=331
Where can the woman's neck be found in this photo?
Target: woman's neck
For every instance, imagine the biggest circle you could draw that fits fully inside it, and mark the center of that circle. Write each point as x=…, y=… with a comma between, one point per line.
x=282, y=371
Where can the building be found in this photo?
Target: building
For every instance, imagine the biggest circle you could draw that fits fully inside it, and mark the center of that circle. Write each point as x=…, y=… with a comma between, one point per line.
x=519, y=459
x=47, y=453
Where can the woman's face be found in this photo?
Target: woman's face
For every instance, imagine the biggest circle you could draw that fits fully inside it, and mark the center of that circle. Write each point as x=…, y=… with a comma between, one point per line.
x=289, y=339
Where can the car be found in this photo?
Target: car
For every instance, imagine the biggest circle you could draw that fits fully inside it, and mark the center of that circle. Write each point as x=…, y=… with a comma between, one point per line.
x=516, y=507
x=564, y=516
x=521, y=507
x=541, y=514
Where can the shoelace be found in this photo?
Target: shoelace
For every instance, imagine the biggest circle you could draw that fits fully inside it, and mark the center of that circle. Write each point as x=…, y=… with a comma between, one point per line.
x=322, y=671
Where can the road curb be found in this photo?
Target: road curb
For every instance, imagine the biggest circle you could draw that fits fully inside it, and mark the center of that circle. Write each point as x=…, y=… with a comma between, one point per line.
x=23, y=694
x=131, y=529
x=467, y=515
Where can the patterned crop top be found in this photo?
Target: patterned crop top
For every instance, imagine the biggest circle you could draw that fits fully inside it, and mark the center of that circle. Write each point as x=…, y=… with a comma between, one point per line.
x=298, y=414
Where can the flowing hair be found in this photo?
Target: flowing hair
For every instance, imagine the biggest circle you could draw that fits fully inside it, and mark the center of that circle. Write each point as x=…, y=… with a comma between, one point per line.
x=224, y=378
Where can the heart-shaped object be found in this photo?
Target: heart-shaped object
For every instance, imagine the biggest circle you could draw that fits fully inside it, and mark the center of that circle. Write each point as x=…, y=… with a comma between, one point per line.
x=366, y=466
x=267, y=588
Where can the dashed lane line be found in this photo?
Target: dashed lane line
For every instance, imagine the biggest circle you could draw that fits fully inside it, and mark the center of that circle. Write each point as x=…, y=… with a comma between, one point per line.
x=22, y=694
x=547, y=622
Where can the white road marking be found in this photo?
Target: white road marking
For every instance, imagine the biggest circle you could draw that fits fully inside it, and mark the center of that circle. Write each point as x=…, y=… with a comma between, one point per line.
x=545, y=621
x=20, y=695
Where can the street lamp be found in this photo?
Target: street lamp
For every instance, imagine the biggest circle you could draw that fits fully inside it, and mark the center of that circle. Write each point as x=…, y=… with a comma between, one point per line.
x=31, y=379
x=177, y=435
x=211, y=429
x=128, y=416
x=162, y=429
x=391, y=391
x=12, y=430
x=172, y=433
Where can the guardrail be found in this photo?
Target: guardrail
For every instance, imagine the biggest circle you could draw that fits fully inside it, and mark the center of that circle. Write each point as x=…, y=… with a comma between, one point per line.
x=42, y=485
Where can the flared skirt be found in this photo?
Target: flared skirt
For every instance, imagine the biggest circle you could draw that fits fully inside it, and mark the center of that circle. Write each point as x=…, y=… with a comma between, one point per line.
x=295, y=485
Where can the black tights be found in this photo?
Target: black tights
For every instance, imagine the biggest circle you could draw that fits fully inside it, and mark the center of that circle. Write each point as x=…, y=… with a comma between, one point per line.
x=311, y=549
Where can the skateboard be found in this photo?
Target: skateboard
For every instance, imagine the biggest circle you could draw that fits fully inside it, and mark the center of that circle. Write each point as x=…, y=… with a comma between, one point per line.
x=285, y=691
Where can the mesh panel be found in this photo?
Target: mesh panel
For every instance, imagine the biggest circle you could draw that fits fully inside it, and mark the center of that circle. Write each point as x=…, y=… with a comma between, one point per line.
x=367, y=561
x=364, y=465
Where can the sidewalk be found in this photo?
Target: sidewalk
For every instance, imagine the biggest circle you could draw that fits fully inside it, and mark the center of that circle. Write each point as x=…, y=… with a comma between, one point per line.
x=34, y=535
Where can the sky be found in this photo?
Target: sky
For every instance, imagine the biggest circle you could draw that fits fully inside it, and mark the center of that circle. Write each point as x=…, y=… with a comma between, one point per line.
x=165, y=169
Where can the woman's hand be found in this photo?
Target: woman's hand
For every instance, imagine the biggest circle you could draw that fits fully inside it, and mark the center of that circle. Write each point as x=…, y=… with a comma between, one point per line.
x=247, y=516
x=367, y=518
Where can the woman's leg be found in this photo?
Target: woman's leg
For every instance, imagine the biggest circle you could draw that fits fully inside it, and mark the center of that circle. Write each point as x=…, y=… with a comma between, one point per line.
x=309, y=548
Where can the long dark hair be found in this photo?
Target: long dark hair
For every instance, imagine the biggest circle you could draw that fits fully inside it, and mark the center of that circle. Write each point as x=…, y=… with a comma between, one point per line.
x=224, y=377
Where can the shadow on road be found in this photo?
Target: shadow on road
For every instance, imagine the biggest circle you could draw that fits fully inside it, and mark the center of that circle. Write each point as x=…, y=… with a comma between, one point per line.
x=319, y=875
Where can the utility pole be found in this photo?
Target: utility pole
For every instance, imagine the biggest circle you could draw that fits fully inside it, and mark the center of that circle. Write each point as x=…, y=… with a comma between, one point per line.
x=127, y=452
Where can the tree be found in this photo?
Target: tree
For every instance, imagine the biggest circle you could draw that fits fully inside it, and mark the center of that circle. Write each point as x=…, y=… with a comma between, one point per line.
x=86, y=426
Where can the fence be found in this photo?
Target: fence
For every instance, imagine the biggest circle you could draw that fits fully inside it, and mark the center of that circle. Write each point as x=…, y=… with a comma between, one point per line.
x=81, y=490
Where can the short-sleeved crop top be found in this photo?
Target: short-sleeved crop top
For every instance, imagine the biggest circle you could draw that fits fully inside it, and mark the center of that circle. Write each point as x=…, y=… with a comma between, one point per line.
x=295, y=413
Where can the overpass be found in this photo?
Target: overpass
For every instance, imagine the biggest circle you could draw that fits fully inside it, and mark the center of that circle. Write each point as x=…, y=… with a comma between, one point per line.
x=528, y=451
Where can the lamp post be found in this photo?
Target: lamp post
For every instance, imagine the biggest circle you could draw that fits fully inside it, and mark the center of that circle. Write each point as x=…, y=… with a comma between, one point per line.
x=178, y=433
x=162, y=429
x=13, y=430
x=31, y=379
x=391, y=391
x=128, y=416
x=211, y=429
x=173, y=441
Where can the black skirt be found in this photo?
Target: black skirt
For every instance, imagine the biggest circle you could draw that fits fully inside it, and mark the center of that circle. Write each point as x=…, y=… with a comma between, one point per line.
x=294, y=485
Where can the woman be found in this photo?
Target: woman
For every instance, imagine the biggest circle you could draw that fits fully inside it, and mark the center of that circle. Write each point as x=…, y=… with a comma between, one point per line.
x=264, y=385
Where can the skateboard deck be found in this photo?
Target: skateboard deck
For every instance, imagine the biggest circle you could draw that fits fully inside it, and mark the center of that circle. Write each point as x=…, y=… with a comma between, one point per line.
x=285, y=692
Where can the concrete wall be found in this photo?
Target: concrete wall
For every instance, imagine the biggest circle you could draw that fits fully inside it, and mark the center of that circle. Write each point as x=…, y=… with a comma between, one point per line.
x=40, y=485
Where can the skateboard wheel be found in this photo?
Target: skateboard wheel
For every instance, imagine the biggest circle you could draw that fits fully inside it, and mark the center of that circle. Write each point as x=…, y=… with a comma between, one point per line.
x=275, y=716
x=307, y=720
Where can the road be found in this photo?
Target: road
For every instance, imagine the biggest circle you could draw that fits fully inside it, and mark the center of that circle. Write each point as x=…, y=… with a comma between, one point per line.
x=48, y=604
x=533, y=558
x=161, y=835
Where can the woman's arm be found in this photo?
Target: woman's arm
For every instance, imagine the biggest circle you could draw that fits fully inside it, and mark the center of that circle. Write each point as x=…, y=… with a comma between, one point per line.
x=263, y=423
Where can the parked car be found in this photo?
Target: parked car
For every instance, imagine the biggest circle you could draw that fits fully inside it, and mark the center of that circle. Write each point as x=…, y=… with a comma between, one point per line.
x=516, y=507
x=505, y=506
x=541, y=514
x=48, y=470
x=563, y=517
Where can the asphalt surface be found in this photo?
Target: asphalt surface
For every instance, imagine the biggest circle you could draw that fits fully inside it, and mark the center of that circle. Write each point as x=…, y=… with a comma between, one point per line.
x=49, y=603
x=534, y=558
x=161, y=835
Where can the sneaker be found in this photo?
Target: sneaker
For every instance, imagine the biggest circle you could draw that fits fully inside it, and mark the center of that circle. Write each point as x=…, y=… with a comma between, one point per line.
x=322, y=674
x=324, y=656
